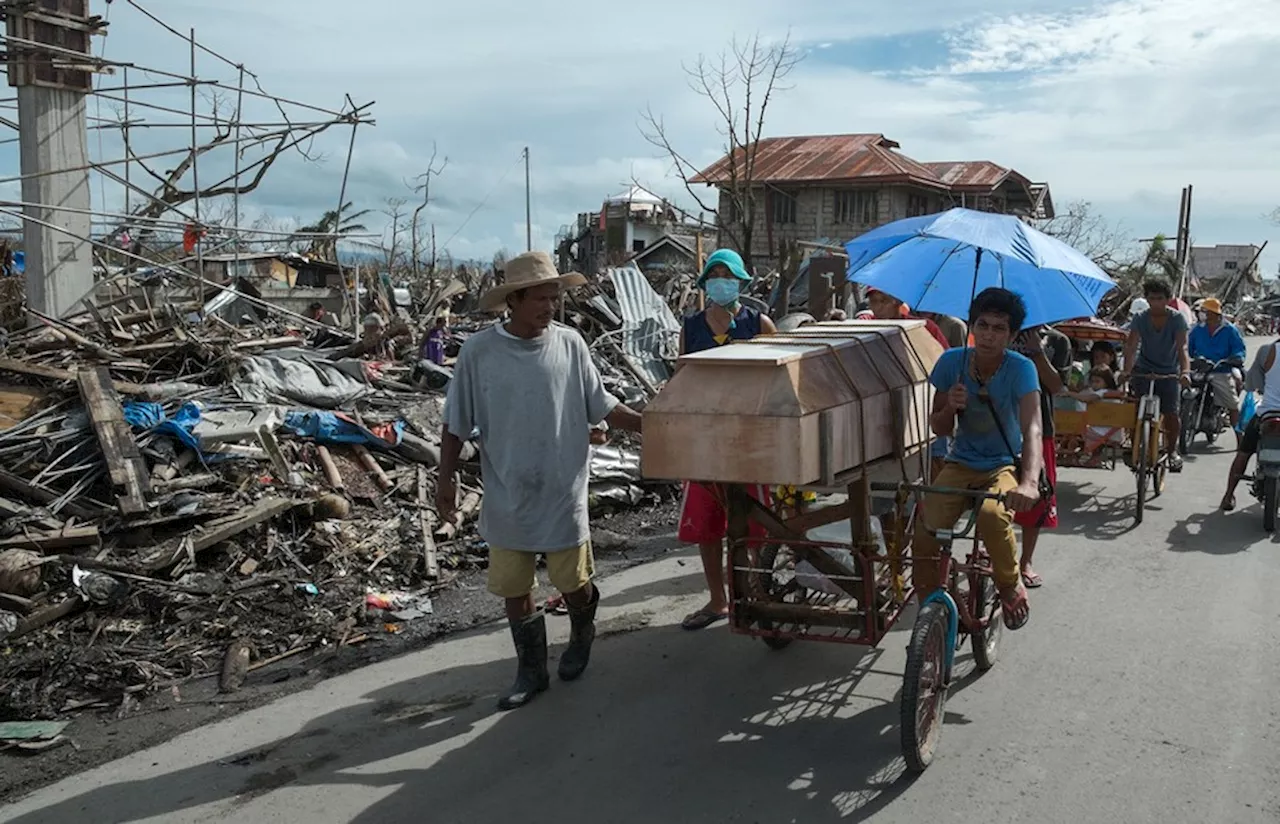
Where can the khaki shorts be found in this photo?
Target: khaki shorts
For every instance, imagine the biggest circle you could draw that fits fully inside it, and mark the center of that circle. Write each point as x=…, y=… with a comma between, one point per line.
x=513, y=573
x=1224, y=390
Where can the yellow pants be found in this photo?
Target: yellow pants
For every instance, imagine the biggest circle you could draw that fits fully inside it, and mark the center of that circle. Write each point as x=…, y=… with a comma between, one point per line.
x=995, y=525
x=513, y=573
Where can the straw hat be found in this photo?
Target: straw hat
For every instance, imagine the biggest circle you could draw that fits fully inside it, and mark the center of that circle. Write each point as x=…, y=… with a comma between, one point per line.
x=524, y=271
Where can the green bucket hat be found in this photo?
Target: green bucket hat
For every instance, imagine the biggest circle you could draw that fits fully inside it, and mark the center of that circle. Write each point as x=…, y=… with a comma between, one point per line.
x=730, y=260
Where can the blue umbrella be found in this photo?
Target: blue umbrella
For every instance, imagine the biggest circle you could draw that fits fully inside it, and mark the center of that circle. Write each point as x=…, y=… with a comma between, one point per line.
x=937, y=263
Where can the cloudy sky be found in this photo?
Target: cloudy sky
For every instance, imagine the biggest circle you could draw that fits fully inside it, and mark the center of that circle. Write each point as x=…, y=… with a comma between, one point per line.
x=1118, y=102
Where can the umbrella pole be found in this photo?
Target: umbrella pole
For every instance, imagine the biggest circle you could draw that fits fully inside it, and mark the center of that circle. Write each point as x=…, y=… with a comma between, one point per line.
x=973, y=293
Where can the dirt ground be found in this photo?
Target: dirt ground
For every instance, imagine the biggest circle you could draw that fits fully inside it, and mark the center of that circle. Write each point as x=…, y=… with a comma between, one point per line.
x=622, y=540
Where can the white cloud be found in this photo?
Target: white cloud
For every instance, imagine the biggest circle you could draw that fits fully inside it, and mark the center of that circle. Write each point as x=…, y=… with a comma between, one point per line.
x=1121, y=103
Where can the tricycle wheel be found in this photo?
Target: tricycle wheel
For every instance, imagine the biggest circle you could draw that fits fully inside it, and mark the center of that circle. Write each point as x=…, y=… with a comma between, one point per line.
x=773, y=578
x=1269, y=504
x=924, y=687
x=986, y=603
x=1140, y=470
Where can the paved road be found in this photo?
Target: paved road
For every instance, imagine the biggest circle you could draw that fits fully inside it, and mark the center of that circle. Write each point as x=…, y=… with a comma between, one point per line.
x=1143, y=690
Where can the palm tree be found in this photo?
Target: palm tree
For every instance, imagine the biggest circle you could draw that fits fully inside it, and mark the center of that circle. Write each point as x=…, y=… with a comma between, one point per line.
x=322, y=236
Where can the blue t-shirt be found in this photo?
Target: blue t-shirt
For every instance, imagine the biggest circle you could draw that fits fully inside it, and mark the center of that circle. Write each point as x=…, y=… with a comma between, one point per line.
x=977, y=443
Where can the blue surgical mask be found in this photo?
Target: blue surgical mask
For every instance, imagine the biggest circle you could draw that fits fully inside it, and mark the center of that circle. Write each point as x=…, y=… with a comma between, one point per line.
x=723, y=291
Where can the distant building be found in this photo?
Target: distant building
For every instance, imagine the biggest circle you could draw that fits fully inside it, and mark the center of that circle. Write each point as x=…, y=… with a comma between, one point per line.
x=1227, y=270
x=845, y=185
x=634, y=225
x=286, y=279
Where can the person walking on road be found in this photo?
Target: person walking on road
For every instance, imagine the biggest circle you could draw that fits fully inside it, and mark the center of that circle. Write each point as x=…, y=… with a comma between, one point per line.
x=703, y=520
x=1263, y=376
x=1050, y=351
x=1218, y=340
x=530, y=389
x=1158, y=341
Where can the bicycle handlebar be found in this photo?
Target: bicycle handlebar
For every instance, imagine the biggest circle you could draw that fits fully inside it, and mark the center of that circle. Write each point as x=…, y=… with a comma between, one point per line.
x=975, y=494
x=1154, y=377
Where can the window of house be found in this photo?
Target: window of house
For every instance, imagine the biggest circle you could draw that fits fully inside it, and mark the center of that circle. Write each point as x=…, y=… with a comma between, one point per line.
x=783, y=207
x=637, y=245
x=1229, y=264
x=729, y=212
x=858, y=207
x=917, y=205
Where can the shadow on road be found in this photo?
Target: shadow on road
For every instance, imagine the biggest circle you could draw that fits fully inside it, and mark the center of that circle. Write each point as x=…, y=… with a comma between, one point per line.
x=1221, y=533
x=666, y=726
x=1090, y=510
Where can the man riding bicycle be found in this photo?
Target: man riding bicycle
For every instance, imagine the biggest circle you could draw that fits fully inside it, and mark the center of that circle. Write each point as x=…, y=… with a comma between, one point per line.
x=988, y=398
x=1158, y=339
x=1217, y=340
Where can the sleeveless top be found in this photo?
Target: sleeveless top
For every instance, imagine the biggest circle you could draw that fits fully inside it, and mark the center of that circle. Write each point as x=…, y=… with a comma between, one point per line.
x=1271, y=386
x=698, y=336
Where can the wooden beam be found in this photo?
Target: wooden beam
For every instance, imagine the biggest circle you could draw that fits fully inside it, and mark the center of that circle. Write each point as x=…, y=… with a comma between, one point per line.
x=51, y=373
x=220, y=531
x=40, y=541
x=124, y=463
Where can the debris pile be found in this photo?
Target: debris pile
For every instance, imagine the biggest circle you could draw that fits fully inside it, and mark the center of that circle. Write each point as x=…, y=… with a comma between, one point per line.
x=183, y=496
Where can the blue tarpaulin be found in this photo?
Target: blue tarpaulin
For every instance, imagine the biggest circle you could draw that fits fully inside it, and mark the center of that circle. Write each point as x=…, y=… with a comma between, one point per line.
x=328, y=427
x=146, y=415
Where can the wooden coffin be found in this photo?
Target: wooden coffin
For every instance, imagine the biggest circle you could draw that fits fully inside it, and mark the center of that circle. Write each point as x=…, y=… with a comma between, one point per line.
x=806, y=408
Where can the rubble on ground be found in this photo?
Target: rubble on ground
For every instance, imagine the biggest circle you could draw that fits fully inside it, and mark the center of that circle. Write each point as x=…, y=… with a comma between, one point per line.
x=183, y=496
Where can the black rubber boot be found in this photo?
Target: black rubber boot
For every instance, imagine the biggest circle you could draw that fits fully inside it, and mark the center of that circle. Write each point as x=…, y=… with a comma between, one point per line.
x=583, y=622
x=530, y=636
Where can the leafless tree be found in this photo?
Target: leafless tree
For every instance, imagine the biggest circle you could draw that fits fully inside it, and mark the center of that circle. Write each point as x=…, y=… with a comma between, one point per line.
x=421, y=185
x=394, y=211
x=1104, y=242
x=168, y=192
x=739, y=83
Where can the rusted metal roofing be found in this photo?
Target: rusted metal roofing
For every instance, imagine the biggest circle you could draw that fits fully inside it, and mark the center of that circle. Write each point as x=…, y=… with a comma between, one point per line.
x=975, y=175
x=826, y=158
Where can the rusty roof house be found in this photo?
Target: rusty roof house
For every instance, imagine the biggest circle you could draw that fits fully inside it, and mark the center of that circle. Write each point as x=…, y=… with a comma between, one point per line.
x=844, y=185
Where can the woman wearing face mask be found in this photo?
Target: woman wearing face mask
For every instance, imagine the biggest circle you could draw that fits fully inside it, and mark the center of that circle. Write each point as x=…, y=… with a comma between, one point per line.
x=703, y=520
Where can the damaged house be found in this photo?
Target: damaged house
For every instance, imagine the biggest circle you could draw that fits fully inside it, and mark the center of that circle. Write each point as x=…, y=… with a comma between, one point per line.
x=840, y=186
x=634, y=226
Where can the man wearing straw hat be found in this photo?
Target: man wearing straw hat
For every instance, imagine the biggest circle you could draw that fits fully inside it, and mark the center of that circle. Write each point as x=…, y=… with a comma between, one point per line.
x=530, y=389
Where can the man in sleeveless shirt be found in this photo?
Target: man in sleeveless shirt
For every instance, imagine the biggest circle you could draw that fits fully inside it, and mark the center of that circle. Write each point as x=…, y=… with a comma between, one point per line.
x=1263, y=376
x=703, y=520
x=1158, y=339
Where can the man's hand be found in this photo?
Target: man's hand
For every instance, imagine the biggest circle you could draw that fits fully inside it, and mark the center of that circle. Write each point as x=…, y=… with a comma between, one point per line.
x=1030, y=343
x=446, y=498
x=1122, y=377
x=1024, y=498
x=599, y=437
x=1185, y=380
x=957, y=397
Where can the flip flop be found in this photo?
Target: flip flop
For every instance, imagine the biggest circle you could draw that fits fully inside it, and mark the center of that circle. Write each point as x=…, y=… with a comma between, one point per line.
x=1011, y=621
x=1032, y=581
x=1228, y=504
x=701, y=619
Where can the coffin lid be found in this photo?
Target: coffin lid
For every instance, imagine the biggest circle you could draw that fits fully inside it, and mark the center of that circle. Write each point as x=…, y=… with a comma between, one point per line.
x=799, y=373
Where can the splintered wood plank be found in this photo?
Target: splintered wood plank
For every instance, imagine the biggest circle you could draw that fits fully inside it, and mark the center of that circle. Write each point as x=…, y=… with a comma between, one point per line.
x=127, y=469
x=432, y=572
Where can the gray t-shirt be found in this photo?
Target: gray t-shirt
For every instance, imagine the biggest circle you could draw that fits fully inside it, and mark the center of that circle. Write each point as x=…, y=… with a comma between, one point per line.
x=1158, y=349
x=534, y=402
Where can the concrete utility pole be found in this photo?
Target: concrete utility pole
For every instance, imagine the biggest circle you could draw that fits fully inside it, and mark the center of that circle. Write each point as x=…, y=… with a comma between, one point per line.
x=50, y=65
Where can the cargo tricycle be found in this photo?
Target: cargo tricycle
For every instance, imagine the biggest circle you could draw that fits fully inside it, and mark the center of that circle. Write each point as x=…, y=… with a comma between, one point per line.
x=839, y=408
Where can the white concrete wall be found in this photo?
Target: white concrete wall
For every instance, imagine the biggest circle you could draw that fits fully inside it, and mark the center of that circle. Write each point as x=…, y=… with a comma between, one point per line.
x=59, y=266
